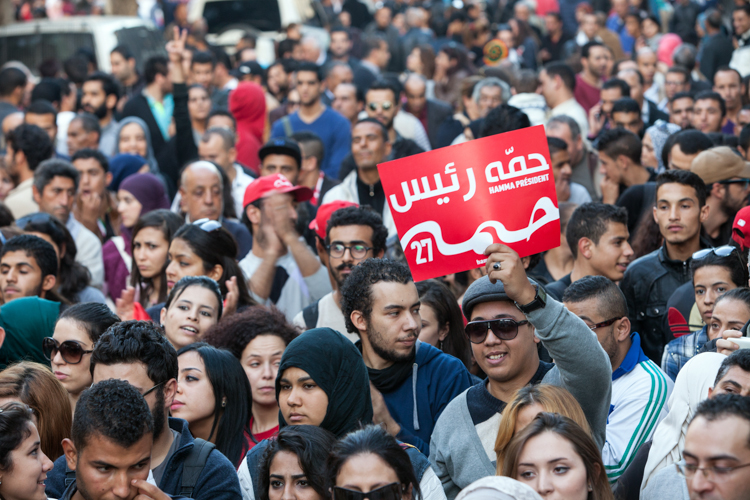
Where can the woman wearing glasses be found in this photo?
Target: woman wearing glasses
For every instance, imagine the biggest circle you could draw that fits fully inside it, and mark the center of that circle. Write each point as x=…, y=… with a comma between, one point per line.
x=557, y=458
x=70, y=347
x=370, y=463
x=294, y=464
x=138, y=195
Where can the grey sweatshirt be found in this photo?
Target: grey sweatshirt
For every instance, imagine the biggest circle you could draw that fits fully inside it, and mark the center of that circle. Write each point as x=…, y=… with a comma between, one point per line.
x=462, y=449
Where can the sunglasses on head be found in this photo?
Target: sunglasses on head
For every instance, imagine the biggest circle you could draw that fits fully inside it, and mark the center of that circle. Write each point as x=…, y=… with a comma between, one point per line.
x=502, y=328
x=386, y=106
x=391, y=491
x=723, y=251
x=207, y=225
x=71, y=351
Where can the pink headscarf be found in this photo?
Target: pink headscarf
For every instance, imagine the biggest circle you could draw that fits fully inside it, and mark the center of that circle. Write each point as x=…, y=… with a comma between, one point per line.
x=247, y=103
x=667, y=45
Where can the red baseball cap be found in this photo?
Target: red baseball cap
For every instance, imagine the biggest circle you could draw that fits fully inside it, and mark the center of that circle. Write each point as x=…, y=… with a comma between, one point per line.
x=320, y=222
x=741, y=228
x=276, y=183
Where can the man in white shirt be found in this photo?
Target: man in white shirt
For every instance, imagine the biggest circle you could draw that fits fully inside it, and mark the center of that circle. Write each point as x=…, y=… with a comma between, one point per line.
x=558, y=84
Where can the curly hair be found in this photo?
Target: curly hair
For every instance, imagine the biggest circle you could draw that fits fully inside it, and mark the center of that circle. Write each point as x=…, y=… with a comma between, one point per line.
x=236, y=331
x=113, y=409
x=356, y=294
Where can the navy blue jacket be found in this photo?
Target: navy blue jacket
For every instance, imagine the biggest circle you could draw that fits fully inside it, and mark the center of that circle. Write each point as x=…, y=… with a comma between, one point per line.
x=218, y=481
x=437, y=378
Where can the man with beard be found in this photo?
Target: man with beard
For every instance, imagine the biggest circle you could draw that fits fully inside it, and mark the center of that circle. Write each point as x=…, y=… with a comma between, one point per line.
x=411, y=382
x=727, y=178
x=139, y=353
x=313, y=116
x=595, y=59
x=347, y=236
x=280, y=268
x=99, y=96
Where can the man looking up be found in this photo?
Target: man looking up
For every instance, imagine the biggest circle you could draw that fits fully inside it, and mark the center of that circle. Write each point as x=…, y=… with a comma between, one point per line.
x=681, y=110
x=411, y=382
x=99, y=96
x=728, y=84
x=83, y=132
x=431, y=113
x=595, y=59
x=679, y=211
x=620, y=155
x=139, y=353
x=314, y=116
x=370, y=146
x=709, y=112
x=504, y=344
x=25, y=148
x=353, y=235
x=597, y=235
x=202, y=197
x=55, y=187
x=727, y=178
x=112, y=430
x=310, y=175
x=558, y=83
x=640, y=389
x=281, y=269
x=583, y=161
x=28, y=268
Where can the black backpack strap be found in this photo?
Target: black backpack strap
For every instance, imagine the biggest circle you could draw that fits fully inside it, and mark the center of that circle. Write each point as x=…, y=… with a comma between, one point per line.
x=193, y=466
x=70, y=476
x=310, y=315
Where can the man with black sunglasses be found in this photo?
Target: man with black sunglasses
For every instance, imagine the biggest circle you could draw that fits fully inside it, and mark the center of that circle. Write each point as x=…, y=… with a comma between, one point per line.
x=727, y=178
x=509, y=315
x=640, y=389
x=139, y=353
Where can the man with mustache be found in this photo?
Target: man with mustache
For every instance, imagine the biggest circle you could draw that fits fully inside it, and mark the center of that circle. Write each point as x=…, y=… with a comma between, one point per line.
x=411, y=382
x=99, y=96
x=346, y=236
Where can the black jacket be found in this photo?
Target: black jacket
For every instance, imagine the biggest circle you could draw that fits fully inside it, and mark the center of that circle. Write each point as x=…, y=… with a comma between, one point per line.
x=648, y=284
x=654, y=113
x=717, y=52
x=138, y=106
x=437, y=113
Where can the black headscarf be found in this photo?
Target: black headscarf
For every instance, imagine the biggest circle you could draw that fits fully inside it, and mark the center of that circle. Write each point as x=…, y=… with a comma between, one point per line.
x=337, y=367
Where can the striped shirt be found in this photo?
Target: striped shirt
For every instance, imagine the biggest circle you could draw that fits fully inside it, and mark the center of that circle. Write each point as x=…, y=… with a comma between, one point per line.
x=640, y=390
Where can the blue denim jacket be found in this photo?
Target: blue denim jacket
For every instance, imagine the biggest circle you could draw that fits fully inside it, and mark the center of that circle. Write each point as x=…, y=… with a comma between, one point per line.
x=680, y=350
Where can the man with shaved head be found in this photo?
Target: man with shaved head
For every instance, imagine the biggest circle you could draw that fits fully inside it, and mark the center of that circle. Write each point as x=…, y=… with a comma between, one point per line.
x=430, y=112
x=202, y=193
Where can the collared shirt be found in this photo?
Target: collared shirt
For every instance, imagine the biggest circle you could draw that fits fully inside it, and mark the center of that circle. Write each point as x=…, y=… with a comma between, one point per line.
x=681, y=350
x=634, y=356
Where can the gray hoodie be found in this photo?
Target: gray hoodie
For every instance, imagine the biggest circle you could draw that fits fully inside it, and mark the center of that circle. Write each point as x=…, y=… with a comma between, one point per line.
x=462, y=449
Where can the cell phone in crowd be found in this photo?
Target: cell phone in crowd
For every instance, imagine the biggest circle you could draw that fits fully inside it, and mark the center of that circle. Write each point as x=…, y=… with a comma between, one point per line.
x=743, y=342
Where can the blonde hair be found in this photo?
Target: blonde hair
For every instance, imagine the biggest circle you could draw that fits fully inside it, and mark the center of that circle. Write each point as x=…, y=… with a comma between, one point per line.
x=551, y=398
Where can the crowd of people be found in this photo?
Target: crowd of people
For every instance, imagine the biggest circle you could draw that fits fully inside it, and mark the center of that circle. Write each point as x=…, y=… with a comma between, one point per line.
x=204, y=294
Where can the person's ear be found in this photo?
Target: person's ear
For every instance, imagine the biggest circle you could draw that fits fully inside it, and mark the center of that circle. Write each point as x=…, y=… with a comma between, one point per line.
x=163, y=315
x=623, y=328
x=718, y=190
x=170, y=390
x=704, y=213
x=111, y=101
x=49, y=282
x=380, y=253
x=586, y=247
x=622, y=162
x=36, y=194
x=388, y=148
x=710, y=392
x=253, y=214
x=71, y=454
x=232, y=155
x=444, y=331
x=108, y=178
x=216, y=273
x=359, y=321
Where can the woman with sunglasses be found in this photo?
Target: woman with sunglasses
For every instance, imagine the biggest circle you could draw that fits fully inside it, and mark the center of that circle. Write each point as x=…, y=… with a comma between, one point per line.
x=370, y=463
x=73, y=279
x=715, y=271
x=323, y=381
x=193, y=306
x=137, y=195
x=294, y=464
x=557, y=458
x=34, y=385
x=213, y=396
x=70, y=347
x=23, y=464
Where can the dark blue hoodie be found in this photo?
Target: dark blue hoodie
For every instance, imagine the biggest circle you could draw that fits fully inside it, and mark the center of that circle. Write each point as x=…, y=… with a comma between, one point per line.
x=436, y=379
x=218, y=481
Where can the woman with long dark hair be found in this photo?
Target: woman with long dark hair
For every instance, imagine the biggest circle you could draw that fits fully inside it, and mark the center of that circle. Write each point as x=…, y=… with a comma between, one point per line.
x=193, y=306
x=213, y=396
x=442, y=321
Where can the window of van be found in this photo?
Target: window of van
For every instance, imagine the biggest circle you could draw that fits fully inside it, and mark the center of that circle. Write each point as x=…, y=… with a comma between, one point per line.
x=33, y=49
x=261, y=15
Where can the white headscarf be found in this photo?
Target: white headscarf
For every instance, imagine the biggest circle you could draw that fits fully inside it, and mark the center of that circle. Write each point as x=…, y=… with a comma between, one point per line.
x=497, y=488
x=690, y=388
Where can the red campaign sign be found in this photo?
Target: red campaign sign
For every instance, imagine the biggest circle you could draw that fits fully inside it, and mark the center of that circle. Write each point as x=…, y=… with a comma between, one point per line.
x=450, y=204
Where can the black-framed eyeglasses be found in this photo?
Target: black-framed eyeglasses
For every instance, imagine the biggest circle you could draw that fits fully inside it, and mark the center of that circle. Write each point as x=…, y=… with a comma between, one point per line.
x=152, y=389
x=208, y=225
x=37, y=218
x=712, y=474
x=603, y=323
x=384, y=105
x=722, y=251
x=358, y=251
x=391, y=491
x=502, y=328
x=736, y=181
x=71, y=351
